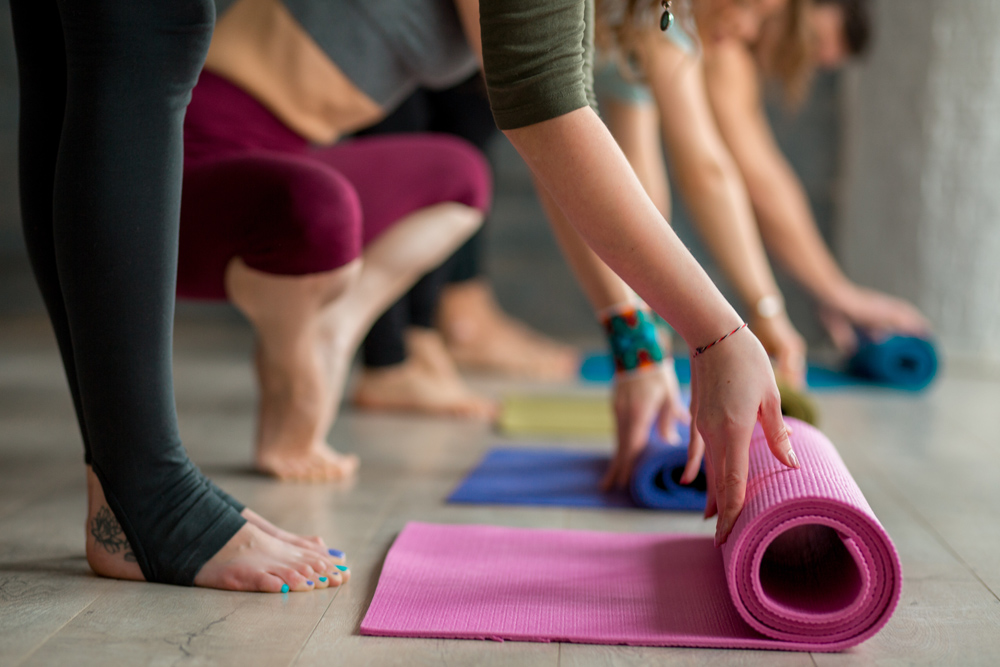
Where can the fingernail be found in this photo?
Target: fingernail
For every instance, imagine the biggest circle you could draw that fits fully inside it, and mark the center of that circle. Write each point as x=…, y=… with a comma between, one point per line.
x=336, y=553
x=323, y=579
x=342, y=568
x=284, y=588
x=721, y=533
x=794, y=458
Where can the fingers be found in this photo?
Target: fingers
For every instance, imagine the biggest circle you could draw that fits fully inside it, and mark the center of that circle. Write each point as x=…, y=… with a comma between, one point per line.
x=841, y=332
x=696, y=452
x=672, y=414
x=731, y=484
x=711, y=503
x=776, y=432
x=608, y=481
x=637, y=436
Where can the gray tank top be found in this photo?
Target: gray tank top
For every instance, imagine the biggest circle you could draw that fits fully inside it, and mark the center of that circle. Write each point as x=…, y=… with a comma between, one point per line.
x=388, y=48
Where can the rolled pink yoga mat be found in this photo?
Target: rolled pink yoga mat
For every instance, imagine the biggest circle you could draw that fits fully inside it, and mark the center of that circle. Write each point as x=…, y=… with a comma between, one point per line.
x=808, y=567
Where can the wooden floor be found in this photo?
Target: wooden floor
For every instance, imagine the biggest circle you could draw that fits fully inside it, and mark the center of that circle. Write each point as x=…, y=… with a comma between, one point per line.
x=929, y=465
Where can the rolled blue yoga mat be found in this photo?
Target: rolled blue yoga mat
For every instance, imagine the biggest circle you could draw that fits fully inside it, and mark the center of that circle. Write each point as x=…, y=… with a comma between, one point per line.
x=899, y=362
x=571, y=478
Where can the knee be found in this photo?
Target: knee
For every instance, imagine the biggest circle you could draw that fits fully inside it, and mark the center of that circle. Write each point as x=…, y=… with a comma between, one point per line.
x=315, y=224
x=463, y=171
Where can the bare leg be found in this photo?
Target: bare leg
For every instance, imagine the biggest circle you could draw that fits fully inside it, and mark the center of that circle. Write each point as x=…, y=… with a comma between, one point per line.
x=481, y=337
x=309, y=327
x=426, y=382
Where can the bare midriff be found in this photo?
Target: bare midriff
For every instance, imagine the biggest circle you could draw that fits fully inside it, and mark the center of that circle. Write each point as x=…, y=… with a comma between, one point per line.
x=260, y=47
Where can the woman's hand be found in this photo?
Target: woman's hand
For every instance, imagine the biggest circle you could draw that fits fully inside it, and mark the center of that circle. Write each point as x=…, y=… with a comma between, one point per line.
x=638, y=401
x=876, y=313
x=732, y=385
x=783, y=344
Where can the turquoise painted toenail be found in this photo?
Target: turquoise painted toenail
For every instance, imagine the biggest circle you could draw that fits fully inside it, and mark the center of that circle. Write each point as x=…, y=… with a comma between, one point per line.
x=342, y=568
x=323, y=579
x=284, y=588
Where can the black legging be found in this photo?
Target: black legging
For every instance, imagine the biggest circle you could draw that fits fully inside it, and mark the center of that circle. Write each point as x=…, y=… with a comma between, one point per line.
x=104, y=86
x=463, y=111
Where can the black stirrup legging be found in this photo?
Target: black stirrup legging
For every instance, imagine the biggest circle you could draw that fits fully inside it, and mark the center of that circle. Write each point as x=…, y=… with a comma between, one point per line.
x=104, y=86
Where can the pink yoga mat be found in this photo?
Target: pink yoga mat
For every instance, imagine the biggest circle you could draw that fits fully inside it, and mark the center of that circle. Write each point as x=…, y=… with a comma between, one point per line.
x=807, y=568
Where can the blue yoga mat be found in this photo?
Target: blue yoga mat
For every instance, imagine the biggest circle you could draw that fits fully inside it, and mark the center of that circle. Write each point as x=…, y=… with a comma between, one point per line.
x=571, y=478
x=900, y=362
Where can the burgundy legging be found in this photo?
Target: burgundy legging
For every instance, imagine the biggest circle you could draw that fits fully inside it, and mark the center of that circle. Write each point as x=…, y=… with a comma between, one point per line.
x=256, y=190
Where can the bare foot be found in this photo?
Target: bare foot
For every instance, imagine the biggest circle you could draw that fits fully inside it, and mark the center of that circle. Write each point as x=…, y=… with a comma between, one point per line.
x=481, y=337
x=252, y=560
x=312, y=543
x=300, y=383
x=316, y=463
x=427, y=382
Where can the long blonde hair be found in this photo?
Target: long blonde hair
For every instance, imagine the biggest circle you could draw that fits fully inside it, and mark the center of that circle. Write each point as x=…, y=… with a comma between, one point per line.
x=790, y=60
x=619, y=22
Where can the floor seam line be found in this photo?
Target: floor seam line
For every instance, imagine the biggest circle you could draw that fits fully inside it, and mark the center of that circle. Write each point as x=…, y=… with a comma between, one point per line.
x=55, y=632
x=929, y=527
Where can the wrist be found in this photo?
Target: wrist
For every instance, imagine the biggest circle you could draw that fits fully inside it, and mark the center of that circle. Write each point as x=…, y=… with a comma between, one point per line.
x=838, y=296
x=768, y=307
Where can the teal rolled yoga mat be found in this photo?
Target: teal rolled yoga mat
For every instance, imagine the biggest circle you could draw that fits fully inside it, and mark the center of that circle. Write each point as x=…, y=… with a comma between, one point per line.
x=899, y=362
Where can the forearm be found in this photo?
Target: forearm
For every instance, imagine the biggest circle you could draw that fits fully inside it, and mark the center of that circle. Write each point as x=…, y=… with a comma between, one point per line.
x=790, y=232
x=602, y=199
x=602, y=286
x=715, y=195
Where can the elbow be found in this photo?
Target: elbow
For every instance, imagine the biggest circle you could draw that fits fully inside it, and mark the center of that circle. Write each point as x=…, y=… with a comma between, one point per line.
x=707, y=177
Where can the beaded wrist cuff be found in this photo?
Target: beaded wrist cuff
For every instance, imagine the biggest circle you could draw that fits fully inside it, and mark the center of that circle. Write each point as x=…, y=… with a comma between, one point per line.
x=634, y=339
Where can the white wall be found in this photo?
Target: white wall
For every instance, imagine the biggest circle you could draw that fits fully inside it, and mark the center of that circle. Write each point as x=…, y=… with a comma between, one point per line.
x=922, y=200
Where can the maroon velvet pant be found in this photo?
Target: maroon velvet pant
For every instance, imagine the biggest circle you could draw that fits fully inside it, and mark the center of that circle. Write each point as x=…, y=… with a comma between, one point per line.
x=256, y=190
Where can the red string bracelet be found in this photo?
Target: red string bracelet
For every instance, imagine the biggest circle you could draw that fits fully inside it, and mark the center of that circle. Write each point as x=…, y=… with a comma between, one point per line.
x=701, y=350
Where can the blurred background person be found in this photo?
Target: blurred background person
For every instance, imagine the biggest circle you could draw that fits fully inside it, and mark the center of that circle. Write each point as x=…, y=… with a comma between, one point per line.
x=789, y=47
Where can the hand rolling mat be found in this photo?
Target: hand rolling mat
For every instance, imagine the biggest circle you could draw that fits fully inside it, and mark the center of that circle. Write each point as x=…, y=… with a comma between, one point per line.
x=900, y=362
x=571, y=478
x=808, y=567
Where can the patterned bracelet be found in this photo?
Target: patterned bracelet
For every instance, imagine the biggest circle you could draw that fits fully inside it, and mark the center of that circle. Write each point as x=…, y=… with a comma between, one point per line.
x=701, y=350
x=633, y=336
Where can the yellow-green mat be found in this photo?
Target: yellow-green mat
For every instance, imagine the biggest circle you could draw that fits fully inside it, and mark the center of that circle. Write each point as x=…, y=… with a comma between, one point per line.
x=543, y=414
x=590, y=414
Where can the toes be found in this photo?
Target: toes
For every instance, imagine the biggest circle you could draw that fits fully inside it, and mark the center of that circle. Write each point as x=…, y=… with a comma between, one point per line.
x=344, y=573
x=270, y=583
x=294, y=579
